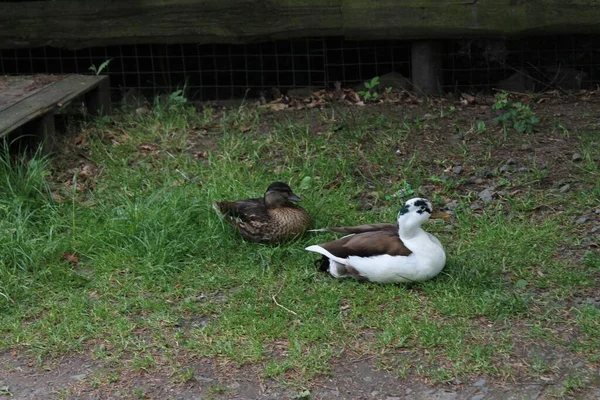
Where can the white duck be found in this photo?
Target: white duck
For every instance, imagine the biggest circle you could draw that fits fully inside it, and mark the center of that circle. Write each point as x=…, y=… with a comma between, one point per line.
x=386, y=253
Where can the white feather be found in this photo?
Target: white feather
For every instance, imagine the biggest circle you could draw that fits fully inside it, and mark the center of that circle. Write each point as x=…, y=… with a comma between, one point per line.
x=426, y=260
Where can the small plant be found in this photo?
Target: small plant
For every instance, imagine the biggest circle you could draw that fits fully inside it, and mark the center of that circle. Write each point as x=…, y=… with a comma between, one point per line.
x=217, y=389
x=303, y=395
x=480, y=128
x=516, y=115
x=405, y=191
x=187, y=375
x=98, y=70
x=370, y=94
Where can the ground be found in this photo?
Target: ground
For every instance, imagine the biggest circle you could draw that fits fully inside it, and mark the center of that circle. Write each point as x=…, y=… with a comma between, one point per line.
x=516, y=313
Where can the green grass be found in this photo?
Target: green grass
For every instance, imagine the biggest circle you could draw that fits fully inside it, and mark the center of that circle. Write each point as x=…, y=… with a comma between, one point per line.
x=160, y=278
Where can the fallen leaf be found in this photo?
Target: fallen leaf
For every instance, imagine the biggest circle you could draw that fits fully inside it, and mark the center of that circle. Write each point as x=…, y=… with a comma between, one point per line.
x=148, y=147
x=70, y=257
x=57, y=197
x=468, y=98
x=275, y=106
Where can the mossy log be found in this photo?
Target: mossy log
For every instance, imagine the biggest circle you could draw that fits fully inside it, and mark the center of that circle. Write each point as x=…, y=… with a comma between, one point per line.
x=79, y=24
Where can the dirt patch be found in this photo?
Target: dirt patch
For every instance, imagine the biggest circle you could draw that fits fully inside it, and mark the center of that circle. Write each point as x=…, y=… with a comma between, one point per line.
x=82, y=378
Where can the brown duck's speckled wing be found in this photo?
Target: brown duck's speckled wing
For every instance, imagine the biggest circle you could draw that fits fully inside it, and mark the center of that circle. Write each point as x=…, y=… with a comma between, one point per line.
x=364, y=228
x=368, y=244
x=243, y=209
x=257, y=223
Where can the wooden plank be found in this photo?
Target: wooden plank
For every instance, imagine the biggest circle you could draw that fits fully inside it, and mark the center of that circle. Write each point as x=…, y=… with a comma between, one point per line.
x=78, y=24
x=97, y=100
x=426, y=60
x=45, y=133
x=53, y=96
x=16, y=88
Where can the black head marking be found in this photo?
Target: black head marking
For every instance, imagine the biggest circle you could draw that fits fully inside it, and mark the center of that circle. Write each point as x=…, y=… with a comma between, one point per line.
x=404, y=209
x=423, y=206
x=279, y=187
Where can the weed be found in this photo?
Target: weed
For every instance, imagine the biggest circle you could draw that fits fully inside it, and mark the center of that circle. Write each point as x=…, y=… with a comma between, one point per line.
x=98, y=70
x=139, y=393
x=480, y=127
x=518, y=116
x=187, y=374
x=217, y=389
x=370, y=94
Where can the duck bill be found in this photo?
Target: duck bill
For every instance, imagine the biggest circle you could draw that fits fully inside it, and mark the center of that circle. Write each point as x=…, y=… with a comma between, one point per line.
x=293, y=197
x=439, y=215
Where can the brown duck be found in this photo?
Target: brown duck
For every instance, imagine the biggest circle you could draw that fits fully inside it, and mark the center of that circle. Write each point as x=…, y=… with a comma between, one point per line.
x=270, y=219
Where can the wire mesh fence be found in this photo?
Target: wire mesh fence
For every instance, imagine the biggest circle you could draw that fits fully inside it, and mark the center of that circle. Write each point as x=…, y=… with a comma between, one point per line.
x=224, y=71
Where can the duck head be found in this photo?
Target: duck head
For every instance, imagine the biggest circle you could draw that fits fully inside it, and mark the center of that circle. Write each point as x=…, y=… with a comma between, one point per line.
x=278, y=193
x=414, y=213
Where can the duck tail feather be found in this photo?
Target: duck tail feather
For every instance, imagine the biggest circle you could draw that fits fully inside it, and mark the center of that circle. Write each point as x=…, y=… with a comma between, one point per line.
x=225, y=208
x=358, y=228
x=318, y=249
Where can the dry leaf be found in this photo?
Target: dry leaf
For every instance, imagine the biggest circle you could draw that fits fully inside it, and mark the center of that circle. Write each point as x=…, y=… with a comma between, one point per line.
x=70, y=257
x=81, y=140
x=468, y=98
x=276, y=106
x=148, y=147
x=57, y=198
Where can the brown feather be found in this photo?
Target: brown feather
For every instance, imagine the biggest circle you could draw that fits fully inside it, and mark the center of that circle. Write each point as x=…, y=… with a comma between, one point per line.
x=363, y=228
x=258, y=221
x=368, y=244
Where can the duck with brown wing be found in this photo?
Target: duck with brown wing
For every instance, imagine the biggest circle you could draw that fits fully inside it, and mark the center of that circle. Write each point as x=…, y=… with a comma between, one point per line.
x=386, y=253
x=274, y=218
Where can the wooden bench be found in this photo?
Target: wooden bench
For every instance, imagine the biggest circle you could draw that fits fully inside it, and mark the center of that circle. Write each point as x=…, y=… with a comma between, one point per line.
x=29, y=103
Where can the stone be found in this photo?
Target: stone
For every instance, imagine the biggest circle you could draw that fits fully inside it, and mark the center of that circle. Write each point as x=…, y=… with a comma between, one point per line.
x=510, y=161
x=582, y=220
x=486, y=195
x=457, y=170
x=519, y=82
x=576, y=157
x=451, y=205
x=565, y=188
x=135, y=99
x=479, y=383
x=394, y=80
x=566, y=78
x=595, y=229
x=526, y=147
x=478, y=397
x=78, y=377
x=302, y=93
x=475, y=206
